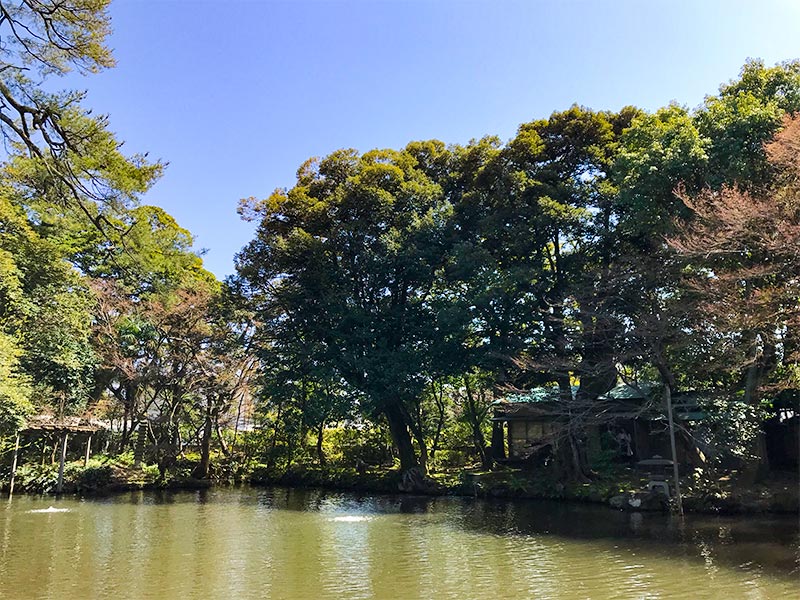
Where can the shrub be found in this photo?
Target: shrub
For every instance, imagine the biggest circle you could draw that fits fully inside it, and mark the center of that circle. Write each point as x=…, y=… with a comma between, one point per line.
x=37, y=479
x=94, y=478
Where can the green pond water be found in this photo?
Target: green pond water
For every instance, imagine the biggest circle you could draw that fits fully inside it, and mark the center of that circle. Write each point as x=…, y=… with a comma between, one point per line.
x=300, y=544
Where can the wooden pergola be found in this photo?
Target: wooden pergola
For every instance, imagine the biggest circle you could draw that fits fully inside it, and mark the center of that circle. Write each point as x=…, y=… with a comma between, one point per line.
x=63, y=427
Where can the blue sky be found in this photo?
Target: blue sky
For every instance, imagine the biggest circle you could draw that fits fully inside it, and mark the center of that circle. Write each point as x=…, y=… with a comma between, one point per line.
x=236, y=94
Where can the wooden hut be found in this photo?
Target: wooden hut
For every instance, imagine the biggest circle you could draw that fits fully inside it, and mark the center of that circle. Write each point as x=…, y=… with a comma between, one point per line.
x=63, y=428
x=628, y=420
x=634, y=418
x=527, y=423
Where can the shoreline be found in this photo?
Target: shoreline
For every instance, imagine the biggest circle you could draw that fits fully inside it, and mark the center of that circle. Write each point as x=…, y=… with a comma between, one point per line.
x=619, y=494
x=511, y=488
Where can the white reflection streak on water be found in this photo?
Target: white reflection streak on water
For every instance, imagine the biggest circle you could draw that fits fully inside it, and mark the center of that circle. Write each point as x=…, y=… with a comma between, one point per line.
x=534, y=565
x=418, y=558
x=102, y=540
x=235, y=553
x=708, y=556
x=344, y=541
x=262, y=523
x=136, y=555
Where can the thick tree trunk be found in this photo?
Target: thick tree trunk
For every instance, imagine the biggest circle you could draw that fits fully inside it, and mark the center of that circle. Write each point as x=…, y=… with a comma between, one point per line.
x=401, y=438
x=498, y=443
x=757, y=468
x=598, y=373
x=423, y=448
x=221, y=439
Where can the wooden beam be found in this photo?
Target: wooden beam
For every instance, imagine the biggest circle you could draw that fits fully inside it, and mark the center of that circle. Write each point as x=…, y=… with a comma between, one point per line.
x=63, y=459
x=14, y=466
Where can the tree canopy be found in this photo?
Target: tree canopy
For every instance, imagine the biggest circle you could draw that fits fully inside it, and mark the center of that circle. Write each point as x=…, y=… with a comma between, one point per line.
x=548, y=259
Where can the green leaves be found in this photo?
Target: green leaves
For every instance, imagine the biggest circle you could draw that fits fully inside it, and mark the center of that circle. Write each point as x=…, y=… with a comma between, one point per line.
x=541, y=260
x=54, y=37
x=44, y=311
x=658, y=153
x=15, y=386
x=344, y=262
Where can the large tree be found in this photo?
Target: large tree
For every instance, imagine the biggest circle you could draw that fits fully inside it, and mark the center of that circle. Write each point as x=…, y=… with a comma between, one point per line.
x=346, y=262
x=740, y=255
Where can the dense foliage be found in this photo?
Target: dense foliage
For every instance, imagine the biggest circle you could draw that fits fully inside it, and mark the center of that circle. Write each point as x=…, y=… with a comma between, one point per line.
x=388, y=298
x=592, y=246
x=106, y=311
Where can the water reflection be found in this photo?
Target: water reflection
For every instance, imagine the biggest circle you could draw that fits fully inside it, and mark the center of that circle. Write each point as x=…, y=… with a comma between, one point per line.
x=285, y=543
x=769, y=543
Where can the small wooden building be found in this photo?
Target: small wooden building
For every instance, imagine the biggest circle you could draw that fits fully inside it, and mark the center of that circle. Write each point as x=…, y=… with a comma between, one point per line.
x=636, y=416
x=530, y=428
x=63, y=428
x=628, y=420
x=527, y=424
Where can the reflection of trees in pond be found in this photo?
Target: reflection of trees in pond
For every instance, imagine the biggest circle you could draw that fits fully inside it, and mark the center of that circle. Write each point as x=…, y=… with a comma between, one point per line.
x=754, y=544
x=767, y=543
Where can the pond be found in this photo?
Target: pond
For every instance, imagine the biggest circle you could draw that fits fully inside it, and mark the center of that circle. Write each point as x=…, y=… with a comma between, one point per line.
x=307, y=544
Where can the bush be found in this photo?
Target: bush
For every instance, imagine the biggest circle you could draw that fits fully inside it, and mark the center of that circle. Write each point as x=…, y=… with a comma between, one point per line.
x=451, y=459
x=150, y=472
x=37, y=479
x=125, y=458
x=94, y=478
x=349, y=445
x=234, y=468
x=263, y=474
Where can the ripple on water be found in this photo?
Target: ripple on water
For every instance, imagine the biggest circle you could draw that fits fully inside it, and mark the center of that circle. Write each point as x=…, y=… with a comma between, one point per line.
x=296, y=545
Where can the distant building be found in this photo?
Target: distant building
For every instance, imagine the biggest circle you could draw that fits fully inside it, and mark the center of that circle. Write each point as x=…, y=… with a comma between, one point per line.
x=628, y=420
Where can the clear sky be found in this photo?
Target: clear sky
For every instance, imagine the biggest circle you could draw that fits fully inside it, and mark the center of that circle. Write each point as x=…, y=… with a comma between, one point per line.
x=236, y=94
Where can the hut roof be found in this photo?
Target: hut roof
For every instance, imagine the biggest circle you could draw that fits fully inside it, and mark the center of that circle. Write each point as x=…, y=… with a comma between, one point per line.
x=621, y=402
x=549, y=393
x=527, y=411
x=625, y=391
x=68, y=424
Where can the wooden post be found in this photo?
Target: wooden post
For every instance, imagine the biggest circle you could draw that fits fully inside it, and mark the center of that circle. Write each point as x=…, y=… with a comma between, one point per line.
x=13, y=466
x=60, y=485
x=668, y=399
x=88, y=451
